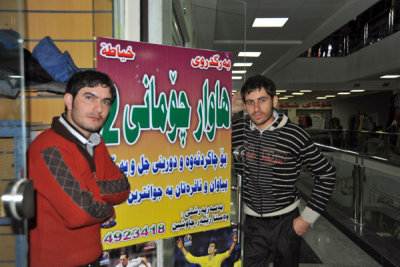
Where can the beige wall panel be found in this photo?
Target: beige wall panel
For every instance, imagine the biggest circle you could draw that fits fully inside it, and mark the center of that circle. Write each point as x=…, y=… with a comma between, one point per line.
x=59, y=25
x=59, y=5
x=7, y=4
x=10, y=109
x=81, y=52
x=7, y=248
x=9, y=20
x=7, y=166
x=102, y=5
x=103, y=25
x=42, y=110
x=7, y=145
x=7, y=265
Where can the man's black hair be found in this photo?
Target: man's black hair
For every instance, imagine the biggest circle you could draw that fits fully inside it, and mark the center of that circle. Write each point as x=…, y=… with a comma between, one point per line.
x=258, y=82
x=90, y=78
x=124, y=253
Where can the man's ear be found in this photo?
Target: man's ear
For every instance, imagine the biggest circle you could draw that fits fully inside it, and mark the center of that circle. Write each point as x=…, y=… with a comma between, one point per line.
x=275, y=101
x=68, y=99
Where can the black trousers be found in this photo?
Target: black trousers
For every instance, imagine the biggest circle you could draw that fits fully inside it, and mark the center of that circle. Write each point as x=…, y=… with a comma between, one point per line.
x=271, y=239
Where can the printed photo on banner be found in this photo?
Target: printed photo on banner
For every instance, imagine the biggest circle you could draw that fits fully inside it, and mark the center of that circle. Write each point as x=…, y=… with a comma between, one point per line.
x=211, y=248
x=141, y=255
x=169, y=131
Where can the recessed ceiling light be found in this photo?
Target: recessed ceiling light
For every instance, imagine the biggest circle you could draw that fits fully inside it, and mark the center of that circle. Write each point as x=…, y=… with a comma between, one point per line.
x=236, y=77
x=283, y=98
x=320, y=97
x=269, y=22
x=239, y=71
x=306, y=91
x=357, y=90
x=248, y=64
x=280, y=91
x=390, y=76
x=343, y=93
x=289, y=96
x=330, y=96
x=297, y=93
x=249, y=54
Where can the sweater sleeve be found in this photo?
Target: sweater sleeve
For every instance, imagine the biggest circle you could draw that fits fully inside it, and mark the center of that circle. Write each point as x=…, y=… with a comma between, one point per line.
x=114, y=188
x=55, y=182
x=324, y=177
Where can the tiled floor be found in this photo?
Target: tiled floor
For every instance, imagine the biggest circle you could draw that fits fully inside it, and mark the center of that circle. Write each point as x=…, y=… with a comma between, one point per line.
x=334, y=248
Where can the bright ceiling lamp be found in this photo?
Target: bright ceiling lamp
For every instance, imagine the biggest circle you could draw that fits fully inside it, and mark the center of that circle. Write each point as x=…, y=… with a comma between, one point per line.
x=343, y=93
x=357, y=90
x=247, y=64
x=249, y=54
x=239, y=71
x=283, y=98
x=236, y=77
x=306, y=91
x=321, y=97
x=390, y=76
x=269, y=22
x=330, y=96
x=280, y=91
x=297, y=93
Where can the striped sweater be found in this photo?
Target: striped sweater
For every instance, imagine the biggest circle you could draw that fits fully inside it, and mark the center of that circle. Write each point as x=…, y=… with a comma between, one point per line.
x=273, y=160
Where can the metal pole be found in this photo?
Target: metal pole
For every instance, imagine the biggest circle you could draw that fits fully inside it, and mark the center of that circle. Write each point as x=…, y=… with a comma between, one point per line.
x=356, y=192
x=361, y=192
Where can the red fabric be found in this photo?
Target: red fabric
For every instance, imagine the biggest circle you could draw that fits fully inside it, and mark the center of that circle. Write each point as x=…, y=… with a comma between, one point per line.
x=64, y=234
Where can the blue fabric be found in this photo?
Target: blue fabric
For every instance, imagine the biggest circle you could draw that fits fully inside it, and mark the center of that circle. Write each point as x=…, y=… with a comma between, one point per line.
x=71, y=64
x=9, y=39
x=53, y=61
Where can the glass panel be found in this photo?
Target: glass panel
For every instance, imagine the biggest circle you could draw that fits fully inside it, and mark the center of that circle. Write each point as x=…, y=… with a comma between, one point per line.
x=12, y=125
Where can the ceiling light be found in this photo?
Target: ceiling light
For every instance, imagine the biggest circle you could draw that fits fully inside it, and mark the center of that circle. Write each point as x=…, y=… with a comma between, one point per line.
x=343, y=93
x=320, y=97
x=283, y=98
x=280, y=91
x=236, y=77
x=269, y=22
x=289, y=96
x=249, y=54
x=306, y=91
x=390, y=76
x=330, y=96
x=357, y=90
x=239, y=71
x=248, y=64
x=297, y=93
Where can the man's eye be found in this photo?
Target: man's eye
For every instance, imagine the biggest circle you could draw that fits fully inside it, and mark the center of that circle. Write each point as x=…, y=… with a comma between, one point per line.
x=89, y=97
x=263, y=100
x=249, y=102
x=107, y=102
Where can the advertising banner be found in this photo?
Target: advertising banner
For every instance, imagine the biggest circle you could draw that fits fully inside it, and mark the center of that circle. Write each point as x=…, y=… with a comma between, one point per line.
x=169, y=131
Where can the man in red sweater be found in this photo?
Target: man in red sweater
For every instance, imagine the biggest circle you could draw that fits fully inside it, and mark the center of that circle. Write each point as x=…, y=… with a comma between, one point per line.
x=75, y=179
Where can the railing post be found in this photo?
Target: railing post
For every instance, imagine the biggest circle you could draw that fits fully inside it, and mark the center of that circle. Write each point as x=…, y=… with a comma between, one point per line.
x=356, y=191
x=361, y=192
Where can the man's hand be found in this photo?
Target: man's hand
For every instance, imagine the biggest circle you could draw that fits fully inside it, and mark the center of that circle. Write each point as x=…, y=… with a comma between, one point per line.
x=179, y=243
x=300, y=226
x=237, y=103
x=234, y=238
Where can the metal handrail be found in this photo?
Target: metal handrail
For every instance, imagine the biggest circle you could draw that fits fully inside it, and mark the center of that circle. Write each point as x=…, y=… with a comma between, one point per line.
x=358, y=154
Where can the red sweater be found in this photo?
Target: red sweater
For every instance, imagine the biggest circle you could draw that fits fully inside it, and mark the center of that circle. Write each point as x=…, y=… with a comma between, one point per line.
x=75, y=193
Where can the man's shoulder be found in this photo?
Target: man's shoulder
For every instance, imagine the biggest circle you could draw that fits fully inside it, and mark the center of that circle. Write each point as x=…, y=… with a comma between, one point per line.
x=47, y=138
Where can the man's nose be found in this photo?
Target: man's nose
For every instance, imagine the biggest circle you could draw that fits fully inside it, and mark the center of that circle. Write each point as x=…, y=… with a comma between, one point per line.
x=98, y=106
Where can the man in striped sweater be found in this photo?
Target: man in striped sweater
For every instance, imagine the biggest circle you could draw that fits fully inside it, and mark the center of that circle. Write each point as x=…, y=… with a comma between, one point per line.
x=275, y=149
